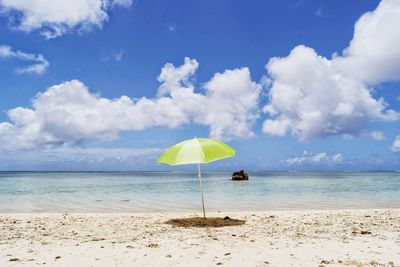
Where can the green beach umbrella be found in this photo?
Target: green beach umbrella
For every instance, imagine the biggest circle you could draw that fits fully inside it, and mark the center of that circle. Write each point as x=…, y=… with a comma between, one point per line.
x=197, y=151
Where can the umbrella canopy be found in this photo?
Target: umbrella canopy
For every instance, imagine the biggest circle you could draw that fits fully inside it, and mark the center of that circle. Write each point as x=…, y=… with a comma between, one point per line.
x=196, y=151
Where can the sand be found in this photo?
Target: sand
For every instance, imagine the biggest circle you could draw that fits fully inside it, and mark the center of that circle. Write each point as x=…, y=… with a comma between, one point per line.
x=273, y=238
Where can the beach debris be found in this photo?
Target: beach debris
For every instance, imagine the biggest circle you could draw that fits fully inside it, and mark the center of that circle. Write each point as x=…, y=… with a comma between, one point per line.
x=374, y=263
x=219, y=263
x=227, y=254
x=153, y=245
x=363, y=232
x=240, y=176
x=13, y=259
x=57, y=257
x=169, y=256
x=205, y=222
x=98, y=239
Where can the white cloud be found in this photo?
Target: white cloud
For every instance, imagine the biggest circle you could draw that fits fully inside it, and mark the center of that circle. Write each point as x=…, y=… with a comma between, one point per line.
x=39, y=66
x=55, y=18
x=115, y=55
x=67, y=114
x=375, y=159
x=311, y=158
x=312, y=96
x=175, y=79
x=123, y=3
x=87, y=155
x=78, y=158
x=373, y=54
x=172, y=28
x=396, y=144
x=319, y=13
x=232, y=104
x=377, y=135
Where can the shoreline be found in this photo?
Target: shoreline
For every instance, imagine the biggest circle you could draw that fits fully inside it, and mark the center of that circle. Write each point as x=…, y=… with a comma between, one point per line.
x=347, y=237
x=197, y=211
x=200, y=212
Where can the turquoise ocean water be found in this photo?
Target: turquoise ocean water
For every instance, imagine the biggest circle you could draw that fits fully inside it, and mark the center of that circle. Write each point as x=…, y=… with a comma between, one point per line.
x=170, y=191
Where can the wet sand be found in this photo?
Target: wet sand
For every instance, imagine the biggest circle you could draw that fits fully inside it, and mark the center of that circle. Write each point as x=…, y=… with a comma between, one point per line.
x=274, y=238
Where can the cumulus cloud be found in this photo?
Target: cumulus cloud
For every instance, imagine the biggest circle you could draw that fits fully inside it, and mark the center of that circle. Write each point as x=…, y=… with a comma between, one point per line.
x=316, y=159
x=396, y=144
x=313, y=96
x=310, y=98
x=55, y=18
x=68, y=114
x=373, y=54
x=232, y=104
x=39, y=66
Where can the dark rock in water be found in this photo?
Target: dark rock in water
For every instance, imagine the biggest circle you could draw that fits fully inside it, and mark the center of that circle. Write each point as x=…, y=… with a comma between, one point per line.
x=239, y=176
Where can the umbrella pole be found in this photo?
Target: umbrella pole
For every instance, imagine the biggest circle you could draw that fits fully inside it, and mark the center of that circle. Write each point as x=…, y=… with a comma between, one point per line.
x=201, y=190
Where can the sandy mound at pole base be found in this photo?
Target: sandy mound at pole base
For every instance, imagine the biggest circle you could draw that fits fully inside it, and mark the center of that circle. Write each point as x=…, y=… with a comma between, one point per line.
x=205, y=222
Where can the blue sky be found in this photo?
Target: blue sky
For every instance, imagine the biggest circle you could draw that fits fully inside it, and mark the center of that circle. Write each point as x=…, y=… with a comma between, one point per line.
x=292, y=85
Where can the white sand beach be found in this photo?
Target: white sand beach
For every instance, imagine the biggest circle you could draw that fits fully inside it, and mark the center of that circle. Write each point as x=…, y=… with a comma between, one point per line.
x=273, y=238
